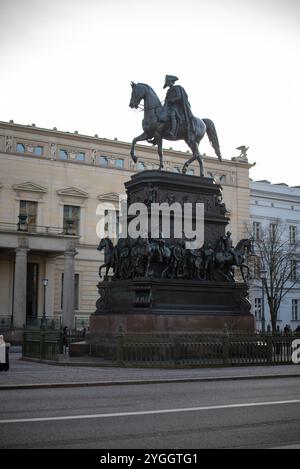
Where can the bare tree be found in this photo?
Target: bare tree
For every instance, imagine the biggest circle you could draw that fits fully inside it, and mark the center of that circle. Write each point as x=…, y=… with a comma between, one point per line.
x=276, y=249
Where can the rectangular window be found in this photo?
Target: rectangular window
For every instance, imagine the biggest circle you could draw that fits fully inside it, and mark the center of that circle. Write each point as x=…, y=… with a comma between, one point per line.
x=80, y=156
x=20, y=148
x=38, y=150
x=293, y=234
x=293, y=270
x=29, y=208
x=295, y=310
x=76, y=291
x=71, y=220
x=63, y=154
x=256, y=230
x=119, y=163
x=257, y=308
x=273, y=229
x=103, y=160
x=256, y=267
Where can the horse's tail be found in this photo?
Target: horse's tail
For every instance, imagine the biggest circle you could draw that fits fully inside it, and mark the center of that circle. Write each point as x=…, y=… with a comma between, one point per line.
x=213, y=137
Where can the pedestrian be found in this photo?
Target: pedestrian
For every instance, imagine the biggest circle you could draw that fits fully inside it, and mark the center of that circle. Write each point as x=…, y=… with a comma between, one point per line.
x=297, y=330
x=286, y=329
x=65, y=340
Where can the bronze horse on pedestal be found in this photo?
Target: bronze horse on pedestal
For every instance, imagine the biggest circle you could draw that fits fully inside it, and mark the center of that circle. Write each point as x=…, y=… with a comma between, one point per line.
x=155, y=130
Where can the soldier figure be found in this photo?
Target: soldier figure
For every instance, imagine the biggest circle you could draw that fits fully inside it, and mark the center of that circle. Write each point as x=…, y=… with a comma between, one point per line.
x=209, y=260
x=228, y=247
x=177, y=260
x=177, y=106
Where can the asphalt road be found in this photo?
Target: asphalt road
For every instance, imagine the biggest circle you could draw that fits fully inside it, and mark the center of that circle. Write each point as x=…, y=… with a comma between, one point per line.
x=231, y=414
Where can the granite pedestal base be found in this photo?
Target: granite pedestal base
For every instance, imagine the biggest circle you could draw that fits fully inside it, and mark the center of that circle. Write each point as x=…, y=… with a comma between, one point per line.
x=170, y=305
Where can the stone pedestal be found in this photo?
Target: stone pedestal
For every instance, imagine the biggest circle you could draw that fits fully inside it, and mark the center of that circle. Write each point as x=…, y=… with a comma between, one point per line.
x=156, y=303
x=170, y=305
x=165, y=187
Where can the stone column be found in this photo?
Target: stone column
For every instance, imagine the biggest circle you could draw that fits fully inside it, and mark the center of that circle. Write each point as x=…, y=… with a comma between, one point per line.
x=68, y=288
x=20, y=287
x=49, y=274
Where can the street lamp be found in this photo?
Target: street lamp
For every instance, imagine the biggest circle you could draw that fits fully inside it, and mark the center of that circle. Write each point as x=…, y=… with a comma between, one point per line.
x=44, y=320
x=263, y=276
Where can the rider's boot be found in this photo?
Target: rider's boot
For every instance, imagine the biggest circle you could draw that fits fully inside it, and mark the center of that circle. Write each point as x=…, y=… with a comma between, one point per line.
x=171, y=132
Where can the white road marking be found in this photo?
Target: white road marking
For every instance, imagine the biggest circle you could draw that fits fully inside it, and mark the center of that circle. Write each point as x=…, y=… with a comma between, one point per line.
x=150, y=412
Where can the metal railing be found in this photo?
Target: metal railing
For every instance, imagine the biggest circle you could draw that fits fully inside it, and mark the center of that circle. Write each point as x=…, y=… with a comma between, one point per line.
x=203, y=350
x=36, y=229
x=46, y=345
x=172, y=350
x=46, y=322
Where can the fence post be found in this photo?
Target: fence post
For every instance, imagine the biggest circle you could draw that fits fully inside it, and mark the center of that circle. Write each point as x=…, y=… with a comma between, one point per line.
x=24, y=344
x=269, y=349
x=42, y=345
x=120, y=347
x=177, y=350
x=225, y=346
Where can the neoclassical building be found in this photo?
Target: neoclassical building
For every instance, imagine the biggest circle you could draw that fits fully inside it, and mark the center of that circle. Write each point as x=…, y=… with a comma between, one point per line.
x=272, y=204
x=51, y=183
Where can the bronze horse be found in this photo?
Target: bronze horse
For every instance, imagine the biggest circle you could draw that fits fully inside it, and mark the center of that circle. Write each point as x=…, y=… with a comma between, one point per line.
x=110, y=256
x=224, y=261
x=154, y=131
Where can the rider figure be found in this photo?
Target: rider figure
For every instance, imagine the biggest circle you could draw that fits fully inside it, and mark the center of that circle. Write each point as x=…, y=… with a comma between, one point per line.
x=228, y=247
x=177, y=106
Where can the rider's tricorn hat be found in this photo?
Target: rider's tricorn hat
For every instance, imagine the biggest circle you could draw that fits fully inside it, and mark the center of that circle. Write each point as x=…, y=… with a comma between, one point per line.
x=169, y=79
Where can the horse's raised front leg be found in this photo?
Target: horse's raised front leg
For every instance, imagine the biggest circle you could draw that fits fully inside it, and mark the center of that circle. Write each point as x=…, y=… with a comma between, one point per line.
x=101, y=267
x=139, y=138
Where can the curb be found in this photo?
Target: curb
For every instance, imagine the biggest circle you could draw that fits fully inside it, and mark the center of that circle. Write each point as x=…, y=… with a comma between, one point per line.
x=6, y=387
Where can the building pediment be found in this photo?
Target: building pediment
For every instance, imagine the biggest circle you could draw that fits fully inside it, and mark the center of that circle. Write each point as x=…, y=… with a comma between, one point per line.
x=72, y=192
x=109, y=197
x=29, y=187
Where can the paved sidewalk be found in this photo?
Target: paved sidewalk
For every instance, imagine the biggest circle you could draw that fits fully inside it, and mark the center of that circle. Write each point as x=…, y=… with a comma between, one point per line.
x=28, y=374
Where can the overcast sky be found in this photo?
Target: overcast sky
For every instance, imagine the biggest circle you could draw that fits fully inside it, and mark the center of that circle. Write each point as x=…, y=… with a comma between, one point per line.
x=69, y=63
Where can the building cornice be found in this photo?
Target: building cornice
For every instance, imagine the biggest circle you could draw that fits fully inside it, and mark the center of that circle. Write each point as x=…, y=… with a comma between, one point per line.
x=76, y=137
x=272, y=195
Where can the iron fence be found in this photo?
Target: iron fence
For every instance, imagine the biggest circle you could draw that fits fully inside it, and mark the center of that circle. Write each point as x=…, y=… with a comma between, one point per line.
x=45, y=322
x=46, y=344
x=172, y=350
x=203, y=350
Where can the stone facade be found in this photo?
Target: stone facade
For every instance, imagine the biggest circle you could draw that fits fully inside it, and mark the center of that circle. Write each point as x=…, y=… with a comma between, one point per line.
x=51, y=171
x=275, y=203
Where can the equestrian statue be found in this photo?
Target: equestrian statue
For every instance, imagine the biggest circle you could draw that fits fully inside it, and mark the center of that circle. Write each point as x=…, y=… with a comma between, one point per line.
x=172, y=121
